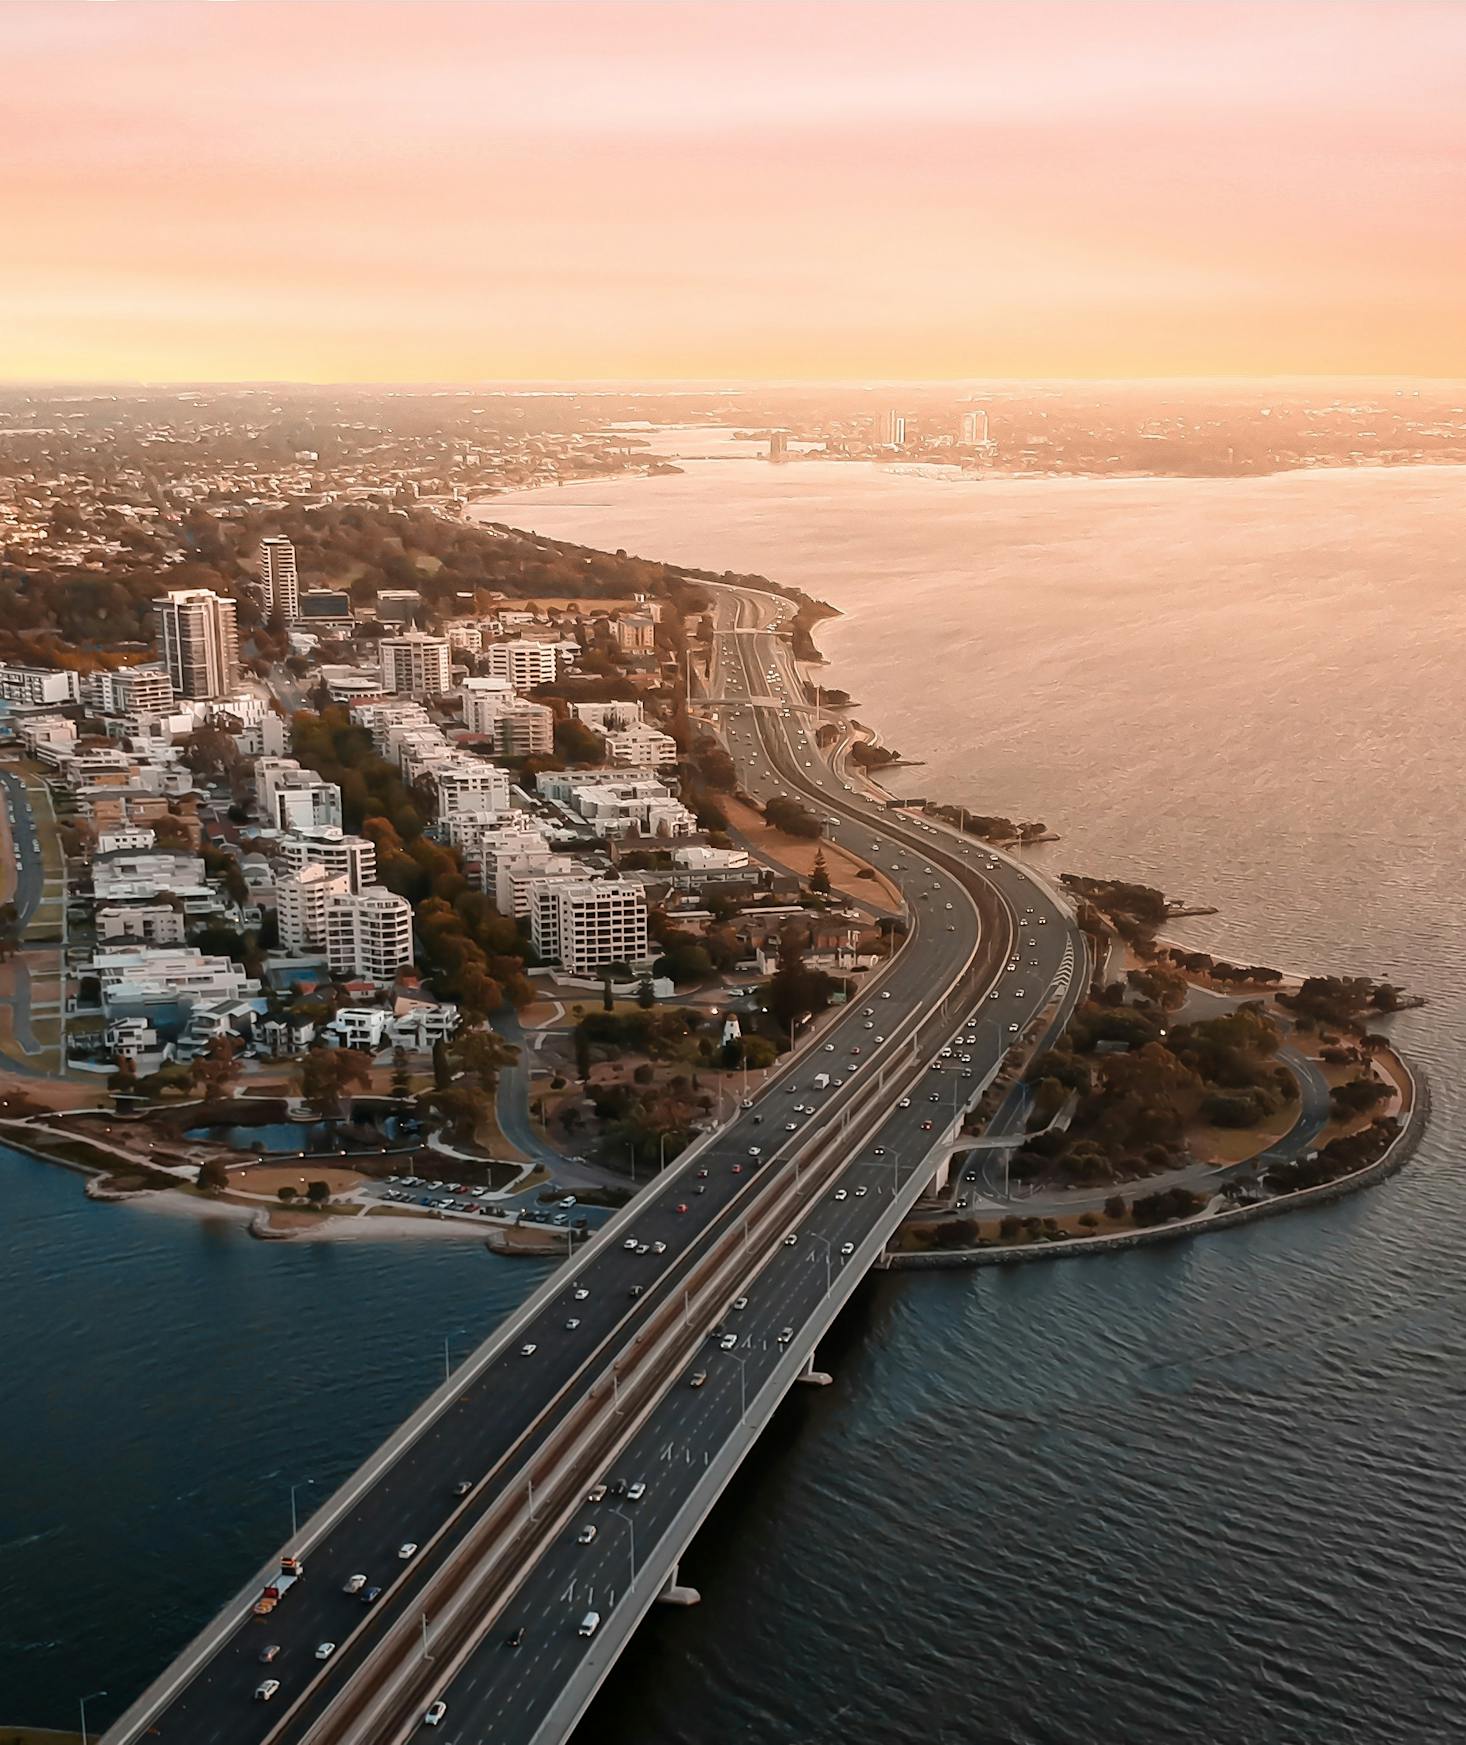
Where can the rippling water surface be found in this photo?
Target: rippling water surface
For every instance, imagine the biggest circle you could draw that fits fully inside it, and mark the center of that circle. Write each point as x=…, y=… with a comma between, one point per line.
x=1203, y=1493
x=1209, y=1493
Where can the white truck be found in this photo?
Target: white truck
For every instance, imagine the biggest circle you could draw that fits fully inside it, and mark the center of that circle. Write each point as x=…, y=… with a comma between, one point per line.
x=821, y=1081
x=291, y=1570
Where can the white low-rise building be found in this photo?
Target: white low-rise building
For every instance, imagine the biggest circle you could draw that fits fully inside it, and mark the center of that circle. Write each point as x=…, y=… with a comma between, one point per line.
x=147, y=871
x=149, y=923
x=137, y=977
x=641, y=744
x=34, y=687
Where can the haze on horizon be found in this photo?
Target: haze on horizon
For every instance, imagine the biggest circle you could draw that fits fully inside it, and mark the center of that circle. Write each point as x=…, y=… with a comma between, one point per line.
x=720, y=191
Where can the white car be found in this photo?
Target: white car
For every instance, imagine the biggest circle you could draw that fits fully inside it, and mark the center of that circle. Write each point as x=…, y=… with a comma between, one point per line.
x=860, y=1193
x=580, y=1293
x=325, y=1650
x=886, y=994
x=755, y=1151
x=572, y=1323
x=528, y=1350
x=905, y=1103
x=659, y=1248
x=585, y=1535
x=635, y=1492
x=846, y=1250
x=354, y=1584
x=630, y=1245
x=435, y=1713
x=409, y=1549
x=840, y=1194
x=729, y=1342
x=790, y=1240
x=263, y=1692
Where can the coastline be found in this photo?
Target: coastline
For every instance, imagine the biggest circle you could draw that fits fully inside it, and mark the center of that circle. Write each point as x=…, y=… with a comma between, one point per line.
x=1399, y=1152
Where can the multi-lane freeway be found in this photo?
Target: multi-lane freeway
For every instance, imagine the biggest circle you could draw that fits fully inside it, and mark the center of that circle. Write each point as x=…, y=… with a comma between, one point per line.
x=727, y=1269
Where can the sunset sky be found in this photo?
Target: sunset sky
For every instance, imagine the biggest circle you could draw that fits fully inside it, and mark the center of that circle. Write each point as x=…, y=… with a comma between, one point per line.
x=419, y=192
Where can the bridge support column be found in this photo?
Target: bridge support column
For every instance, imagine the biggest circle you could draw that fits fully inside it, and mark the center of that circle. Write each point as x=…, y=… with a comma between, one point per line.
x=676, y=1595
x=812, y=1377
x=942, y=1176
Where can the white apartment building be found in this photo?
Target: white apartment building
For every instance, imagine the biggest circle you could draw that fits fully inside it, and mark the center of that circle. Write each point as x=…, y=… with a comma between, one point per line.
x=148, y=923
x=368, y=934
x=613, y=717
x=517, y=876
x=588, y=923
x=35, y=687
x=380, y=716
x=141, y=692
x=198, y=640
x=641, y=744
x=279, y=584
x=465, y=784
x=309, y=804
x=294, y=799
x=301, y=899
x=465, y=634
x=524, y=664
x=416, y=664
x=335, y=851
x=525, y=730
x=482, y=700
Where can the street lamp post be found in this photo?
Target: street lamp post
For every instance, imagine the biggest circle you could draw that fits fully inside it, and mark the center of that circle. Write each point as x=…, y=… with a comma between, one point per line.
x=631, y=1543
x=824, y=1241
x=447, y=1366
x=299, y=1485
x=82, y=1705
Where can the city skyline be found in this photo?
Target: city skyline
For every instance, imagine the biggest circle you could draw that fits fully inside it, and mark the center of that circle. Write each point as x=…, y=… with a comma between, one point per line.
x=634, y=192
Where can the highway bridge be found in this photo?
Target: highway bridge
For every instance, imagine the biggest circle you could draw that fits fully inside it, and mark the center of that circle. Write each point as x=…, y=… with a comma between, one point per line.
x=649, y=1363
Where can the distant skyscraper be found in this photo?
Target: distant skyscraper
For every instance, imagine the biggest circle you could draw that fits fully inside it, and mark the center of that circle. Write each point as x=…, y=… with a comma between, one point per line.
x=198, y=642
x=974, y=429
x=778, y=444
x=891, y=429
x=279, y=586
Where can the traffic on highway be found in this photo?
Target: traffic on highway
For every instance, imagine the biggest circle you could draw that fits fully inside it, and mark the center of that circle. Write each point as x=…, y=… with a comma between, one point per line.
x=444, y=1594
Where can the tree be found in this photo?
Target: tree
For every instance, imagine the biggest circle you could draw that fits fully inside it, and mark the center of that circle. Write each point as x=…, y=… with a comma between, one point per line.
x=325, y=1074
x=285, y=1193
x=582, y=1053
x=318, y=1192
x=645, y=994
x=217, y=1067
x=213, y=1175
x=819, y=878
x=401, y=1075
x=1115, y=1208
x=608, y=999
x=482, y=1055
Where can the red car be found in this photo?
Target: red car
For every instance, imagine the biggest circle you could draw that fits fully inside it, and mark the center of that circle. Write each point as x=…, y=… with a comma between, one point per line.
x=680, y=1207
x=738, y=1169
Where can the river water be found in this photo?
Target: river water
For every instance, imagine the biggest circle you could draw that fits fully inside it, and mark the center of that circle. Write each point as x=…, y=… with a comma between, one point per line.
x=1204, y=1493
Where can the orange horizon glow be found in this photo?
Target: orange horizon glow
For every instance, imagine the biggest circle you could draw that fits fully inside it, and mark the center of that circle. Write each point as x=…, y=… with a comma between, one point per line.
x=732, y=189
